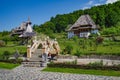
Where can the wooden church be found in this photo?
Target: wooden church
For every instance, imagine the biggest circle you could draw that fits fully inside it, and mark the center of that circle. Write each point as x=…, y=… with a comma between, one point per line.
x=24, y=31
x=83, y=27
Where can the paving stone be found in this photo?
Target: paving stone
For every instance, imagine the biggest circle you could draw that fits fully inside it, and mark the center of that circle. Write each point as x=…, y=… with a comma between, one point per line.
x=34, y=73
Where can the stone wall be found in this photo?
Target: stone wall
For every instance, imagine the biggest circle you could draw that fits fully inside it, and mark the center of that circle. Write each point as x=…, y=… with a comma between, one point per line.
x=111, y=57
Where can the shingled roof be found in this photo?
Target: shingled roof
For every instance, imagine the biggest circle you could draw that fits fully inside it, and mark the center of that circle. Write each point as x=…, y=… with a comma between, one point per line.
x=24, y=30
x=28, y=32
x=83, y=21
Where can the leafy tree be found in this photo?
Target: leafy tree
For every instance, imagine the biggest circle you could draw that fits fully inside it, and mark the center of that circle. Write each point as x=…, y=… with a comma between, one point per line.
x=6, y=39
x=107, y=16
x=4, y=33
x=36, y=28
x=100, y=17
x=111, y=19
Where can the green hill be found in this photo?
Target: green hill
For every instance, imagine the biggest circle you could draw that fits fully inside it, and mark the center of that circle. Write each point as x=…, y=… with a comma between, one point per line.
x=106, y=16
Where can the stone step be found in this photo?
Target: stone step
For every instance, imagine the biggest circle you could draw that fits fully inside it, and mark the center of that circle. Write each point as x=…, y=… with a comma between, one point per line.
x=37, y=56
x=31, y=64
x=35, y=59
x=34, y=64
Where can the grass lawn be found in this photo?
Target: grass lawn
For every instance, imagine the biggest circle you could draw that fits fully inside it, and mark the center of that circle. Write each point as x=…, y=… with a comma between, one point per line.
x=108, y=47
x=4, y=65
x=84, y=71
x=12, y=49
x=112, y=48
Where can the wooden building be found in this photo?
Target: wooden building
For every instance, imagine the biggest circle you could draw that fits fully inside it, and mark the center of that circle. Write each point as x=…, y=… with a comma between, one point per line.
x=83, y=27
x=24, y=30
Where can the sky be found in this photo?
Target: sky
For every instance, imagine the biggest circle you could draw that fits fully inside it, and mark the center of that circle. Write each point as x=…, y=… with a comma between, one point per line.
x=14, y=12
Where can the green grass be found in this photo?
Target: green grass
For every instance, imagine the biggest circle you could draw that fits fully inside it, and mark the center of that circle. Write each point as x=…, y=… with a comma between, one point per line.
x=84, y=71
x=112, y=48
x=12, y=49
x=4, y=65
x=109, y=48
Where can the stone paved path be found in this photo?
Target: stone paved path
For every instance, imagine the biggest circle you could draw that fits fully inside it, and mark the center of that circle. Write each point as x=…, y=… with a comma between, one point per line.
x=32, y=73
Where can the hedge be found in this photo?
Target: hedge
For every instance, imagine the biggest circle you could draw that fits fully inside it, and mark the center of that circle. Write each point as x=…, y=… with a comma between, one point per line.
x=18, y=61
x=63, y=65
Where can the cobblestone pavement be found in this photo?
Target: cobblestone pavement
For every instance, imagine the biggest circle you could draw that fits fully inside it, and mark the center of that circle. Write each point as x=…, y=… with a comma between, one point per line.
x=32, y=73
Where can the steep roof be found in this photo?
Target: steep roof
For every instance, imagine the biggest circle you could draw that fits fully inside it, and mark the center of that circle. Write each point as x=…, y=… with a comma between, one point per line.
x=28, y=32
x=83, y=21
x=29, y=29
x=24, y=30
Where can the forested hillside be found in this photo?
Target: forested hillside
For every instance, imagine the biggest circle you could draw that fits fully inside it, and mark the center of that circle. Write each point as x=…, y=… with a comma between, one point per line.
x=107, y=16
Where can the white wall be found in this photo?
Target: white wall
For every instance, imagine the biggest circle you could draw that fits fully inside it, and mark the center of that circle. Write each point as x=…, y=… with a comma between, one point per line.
x=94, y=31
x=70, y=34
x=84, y=34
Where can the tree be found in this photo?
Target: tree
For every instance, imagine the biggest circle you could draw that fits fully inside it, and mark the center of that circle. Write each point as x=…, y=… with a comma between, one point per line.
x=107, y=15
x=6, y=39
x=36, y=28
x=4, y=33
x=111, y=19
x=100, y=16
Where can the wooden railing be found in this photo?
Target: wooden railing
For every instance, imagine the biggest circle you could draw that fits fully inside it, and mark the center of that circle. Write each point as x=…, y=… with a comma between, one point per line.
x=40, y=40
x=35, y=46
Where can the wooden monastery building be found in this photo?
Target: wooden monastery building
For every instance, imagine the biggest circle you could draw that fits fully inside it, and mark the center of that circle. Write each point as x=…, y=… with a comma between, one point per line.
x=83, y=27
x=24, y=30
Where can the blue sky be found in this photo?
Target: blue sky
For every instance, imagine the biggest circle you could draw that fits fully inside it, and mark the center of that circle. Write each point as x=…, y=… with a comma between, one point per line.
x=13, y=12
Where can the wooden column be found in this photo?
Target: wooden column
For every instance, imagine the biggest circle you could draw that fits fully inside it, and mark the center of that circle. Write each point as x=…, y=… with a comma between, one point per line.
x=28, y=52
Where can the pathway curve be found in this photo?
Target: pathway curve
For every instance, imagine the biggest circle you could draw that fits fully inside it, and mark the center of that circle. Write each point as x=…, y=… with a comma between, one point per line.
x=32, y=73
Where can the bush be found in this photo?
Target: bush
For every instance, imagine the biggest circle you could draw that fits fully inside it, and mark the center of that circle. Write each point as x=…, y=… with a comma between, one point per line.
x=2, y=43
x=62, y=52
x=6, y=55
x=6, y=39
x=99, y=40
x=70, y=62
x=68, y=49
x=75, y=38
x=78, y=53
x=18, y=61
x=52, y=36
x=96, y=63
x=64, y=65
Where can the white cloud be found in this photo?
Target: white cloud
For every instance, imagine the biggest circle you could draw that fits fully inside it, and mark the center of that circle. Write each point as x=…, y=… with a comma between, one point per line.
x=110, y=1
x=97, y=4
x=90, y=3
x=85, y=8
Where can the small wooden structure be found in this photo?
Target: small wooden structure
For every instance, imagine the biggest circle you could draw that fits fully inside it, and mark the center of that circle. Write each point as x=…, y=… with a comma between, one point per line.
x=49, y=48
